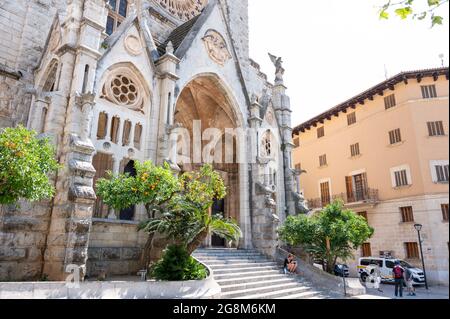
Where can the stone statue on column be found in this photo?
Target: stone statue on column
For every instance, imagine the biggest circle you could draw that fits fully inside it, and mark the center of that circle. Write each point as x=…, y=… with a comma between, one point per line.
x=279, y=73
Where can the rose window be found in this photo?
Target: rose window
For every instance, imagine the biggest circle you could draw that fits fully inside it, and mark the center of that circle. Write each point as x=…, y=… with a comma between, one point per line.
x=121, y=89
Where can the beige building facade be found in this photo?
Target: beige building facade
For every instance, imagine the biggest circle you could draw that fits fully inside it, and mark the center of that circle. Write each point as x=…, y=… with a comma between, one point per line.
x=385, y=153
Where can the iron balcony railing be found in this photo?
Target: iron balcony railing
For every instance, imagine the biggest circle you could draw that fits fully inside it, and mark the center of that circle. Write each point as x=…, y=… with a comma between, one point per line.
x=368, y=196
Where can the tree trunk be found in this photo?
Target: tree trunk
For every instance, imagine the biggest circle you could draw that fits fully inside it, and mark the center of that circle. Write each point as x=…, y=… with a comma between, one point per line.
x=145, y=257
x=198, y=240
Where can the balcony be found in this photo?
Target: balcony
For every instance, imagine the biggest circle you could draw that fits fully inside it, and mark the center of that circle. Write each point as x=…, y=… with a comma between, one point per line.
x=361, y=198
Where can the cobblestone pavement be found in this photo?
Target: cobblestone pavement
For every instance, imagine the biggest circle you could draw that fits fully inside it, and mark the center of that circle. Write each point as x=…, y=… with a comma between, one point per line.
x=436, y=292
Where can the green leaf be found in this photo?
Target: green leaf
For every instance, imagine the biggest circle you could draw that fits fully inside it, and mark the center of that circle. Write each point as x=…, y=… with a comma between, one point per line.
x=384, y=14
x=404, y=12
x=437, y=20
x=422, y=16
x=433, y=2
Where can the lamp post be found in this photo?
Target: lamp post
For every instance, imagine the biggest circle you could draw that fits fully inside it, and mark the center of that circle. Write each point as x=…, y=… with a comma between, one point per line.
x=419, y=227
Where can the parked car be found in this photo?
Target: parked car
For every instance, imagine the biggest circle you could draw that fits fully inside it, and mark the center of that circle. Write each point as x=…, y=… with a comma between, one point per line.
x=341, y=270
x=386, y=266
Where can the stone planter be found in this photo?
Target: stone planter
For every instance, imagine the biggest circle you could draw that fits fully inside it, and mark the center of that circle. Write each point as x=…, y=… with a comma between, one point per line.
x=197, y=289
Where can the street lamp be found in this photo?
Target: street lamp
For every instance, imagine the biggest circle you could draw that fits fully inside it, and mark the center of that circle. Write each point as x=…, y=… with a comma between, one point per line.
x=419, y=227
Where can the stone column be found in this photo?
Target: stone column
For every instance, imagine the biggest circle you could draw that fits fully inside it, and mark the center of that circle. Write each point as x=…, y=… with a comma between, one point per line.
x=166, y=68
x=73, y=205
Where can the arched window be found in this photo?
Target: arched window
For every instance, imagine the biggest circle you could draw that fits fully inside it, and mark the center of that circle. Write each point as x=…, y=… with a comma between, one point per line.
x=137, y=136
x=117, y=12
x=126, y=133
x=50, y=82
x=43, y=119
x=102, y=126
x=115, y=125
x=85, y=78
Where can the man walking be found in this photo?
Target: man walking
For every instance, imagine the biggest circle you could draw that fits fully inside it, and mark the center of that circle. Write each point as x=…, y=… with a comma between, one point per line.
x=399, y=274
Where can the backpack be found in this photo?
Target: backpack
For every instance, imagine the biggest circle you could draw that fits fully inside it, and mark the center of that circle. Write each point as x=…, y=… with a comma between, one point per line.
x=398, y=272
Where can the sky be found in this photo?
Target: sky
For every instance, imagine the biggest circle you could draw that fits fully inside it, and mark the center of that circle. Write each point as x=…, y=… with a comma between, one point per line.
x=335, y=49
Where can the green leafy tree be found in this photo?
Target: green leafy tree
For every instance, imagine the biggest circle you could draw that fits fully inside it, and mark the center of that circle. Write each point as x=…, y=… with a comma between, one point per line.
x=332, y=234
x=410, y=9
x=178, y=265
x=188, y=220
x=153, y=186
x=25, y=165
x=177, y=207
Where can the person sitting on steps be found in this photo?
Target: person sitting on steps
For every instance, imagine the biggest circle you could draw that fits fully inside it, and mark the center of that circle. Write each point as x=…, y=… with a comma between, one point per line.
x=290, y=265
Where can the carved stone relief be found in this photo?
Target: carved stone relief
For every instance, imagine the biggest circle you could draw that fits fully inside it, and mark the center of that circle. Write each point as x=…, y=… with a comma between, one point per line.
x=216, y=47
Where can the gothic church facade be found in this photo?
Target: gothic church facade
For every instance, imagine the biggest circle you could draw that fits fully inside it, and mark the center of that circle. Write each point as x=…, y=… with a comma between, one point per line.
x=109, y=82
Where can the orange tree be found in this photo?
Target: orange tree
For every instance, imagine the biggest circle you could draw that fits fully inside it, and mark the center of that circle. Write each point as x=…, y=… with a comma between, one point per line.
x=188, y=221
x=25, y=165
x=177, y=206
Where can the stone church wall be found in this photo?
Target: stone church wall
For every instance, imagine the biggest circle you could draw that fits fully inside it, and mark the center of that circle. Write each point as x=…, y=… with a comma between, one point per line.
x=115, y=247
x=25, y=25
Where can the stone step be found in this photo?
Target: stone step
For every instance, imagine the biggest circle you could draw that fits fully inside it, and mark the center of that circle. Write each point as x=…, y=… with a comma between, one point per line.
x=246, y=274
x=279, y=294
x=222, y=271
x=234, y=260
x=242, y=265
x=302, y=295
x=259, y=290
x=257, y=284
x=230, y=257
x=249, y=279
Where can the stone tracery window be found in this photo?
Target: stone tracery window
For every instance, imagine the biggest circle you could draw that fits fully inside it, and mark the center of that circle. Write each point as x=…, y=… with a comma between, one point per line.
x=123, y=88
x=267, y=145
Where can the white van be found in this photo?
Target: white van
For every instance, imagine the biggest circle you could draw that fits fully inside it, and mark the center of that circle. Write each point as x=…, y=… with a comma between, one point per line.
x=386, y=266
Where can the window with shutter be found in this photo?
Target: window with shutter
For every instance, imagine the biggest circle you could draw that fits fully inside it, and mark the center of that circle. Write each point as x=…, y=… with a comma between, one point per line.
x=351, y=118
x=366, y=250
x=401, y=178
x=444, y=208
x=429, y=91
x=395, y=136
x=349, y=185
x=354, y=150
x=412, y=250
x=320, y=132
x=407, y=214
x=390, y=102
x=436, y=128
x=442, y=173
x=323, y=160
x=325, y=193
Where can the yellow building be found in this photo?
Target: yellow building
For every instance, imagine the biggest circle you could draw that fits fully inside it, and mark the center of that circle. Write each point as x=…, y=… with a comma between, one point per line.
x=385, y=153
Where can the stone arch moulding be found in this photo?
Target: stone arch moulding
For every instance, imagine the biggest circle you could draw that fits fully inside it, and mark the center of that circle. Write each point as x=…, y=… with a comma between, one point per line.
x=124, y=85
x=49, y=73
x=223, y=85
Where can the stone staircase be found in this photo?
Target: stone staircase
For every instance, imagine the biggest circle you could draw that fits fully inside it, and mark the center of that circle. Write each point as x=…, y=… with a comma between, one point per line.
x=247, y=274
